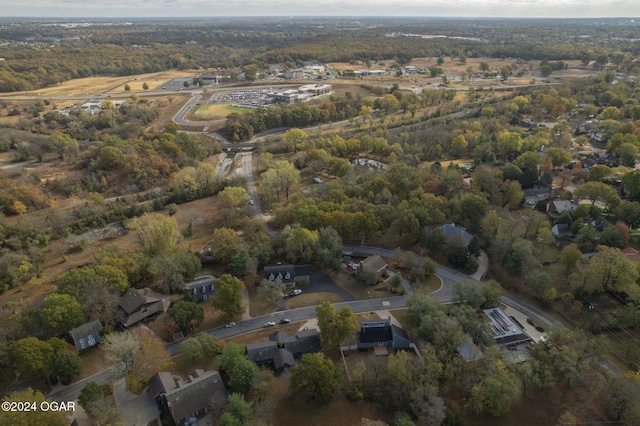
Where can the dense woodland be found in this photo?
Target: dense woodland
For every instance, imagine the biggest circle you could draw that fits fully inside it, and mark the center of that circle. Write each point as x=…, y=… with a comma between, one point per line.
x=118, y=176
x=48, y=55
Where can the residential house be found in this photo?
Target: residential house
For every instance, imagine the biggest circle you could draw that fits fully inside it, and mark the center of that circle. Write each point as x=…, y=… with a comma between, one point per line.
x=288, y=274
x=282, y=350
x=469, y=351
x=532, y=196
x=138, y=305
x=452, y=231
x=203, y=392
x=557, y=207
x=374, y=263
x=560, y=230
x=505, y=330
x=600, y=223
x=86, y=335
x=202, y=288
x=382, y=333
x=269, y=353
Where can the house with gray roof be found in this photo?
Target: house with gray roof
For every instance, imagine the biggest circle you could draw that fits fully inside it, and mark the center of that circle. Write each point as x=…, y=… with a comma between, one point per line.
x=138, y=305
x=557, y=207
x=453, y=231
x=281, y=350
x=86, y=335
x=202, y=392
x=202, y=288
x=288, y=274
x=375, y=263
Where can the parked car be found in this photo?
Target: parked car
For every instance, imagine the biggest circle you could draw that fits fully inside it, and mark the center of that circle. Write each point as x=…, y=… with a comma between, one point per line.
x=231, y=324
x=295, y=292
x=53, y=379
x=285, y=321
x=269, y=324
x=317, y=180
x=251, y=202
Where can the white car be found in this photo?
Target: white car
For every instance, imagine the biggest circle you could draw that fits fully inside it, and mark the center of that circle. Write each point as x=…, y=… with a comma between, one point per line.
x=269, y=324
x=251, y=202
x=231, y=324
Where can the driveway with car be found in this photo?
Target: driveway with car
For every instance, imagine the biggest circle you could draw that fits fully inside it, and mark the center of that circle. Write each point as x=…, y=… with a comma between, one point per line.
x=321, y=282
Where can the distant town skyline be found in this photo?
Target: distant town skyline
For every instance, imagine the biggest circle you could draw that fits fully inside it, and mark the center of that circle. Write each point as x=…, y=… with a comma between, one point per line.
x=286, y=8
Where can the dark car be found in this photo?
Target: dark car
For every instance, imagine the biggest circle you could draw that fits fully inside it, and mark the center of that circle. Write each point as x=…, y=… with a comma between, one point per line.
x=53, y=379
x=285, y=321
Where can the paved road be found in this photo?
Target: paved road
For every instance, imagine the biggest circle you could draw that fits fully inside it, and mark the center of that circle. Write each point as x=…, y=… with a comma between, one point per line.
x=62, y=393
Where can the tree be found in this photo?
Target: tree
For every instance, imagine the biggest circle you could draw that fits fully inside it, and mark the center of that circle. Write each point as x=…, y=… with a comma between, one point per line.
x=299, y=244
x=156, y=233
x=242, y=374
x=61, y=313
x=187, y=315
x=295, y=139
x=145, y=86
x=609, y=270
x=229, y=292
x=492, y=292
x=150, y=358
x=368, y=276
x=287, y=176
x=33, y=417
x=328, y=249
x=570, y=256
x=234, y=197
x=238, y=411
x=34, y=356
x=170, y=271
x=223, y=244
x=272, y=291
x=121, y=348
x=62, y=144
x=559, y=156
x=92, y=392
x=231, y=353
x=316, y=377
x=67, y=365
x=469, y=291
x=335, y=327
x=127, y=88
x=459, y=145
x=191, y=351
x=597, y=191
x=496, y=391
x=539, y=281
x=435, y=240
x=509, y=143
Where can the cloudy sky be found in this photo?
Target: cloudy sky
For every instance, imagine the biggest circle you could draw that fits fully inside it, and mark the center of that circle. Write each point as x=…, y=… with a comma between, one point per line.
x=203, y=8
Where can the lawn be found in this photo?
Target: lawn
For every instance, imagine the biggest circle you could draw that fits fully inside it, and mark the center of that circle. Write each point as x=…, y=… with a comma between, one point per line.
x=431, y=284
x=312, y=299
x=214, y=112
x=91, y=86
x=357, y=289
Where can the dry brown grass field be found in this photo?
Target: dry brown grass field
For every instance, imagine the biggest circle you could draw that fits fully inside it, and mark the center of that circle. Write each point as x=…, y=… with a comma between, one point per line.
x=91, y=86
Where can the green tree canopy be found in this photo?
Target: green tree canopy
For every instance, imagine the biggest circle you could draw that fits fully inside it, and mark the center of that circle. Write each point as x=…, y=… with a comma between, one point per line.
x=316, y=377
x=187, y=315
x=335, y=327
x=228, y=298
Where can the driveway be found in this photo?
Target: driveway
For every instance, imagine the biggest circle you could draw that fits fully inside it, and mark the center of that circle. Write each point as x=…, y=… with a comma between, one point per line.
x=136, y=410
x=321, y=282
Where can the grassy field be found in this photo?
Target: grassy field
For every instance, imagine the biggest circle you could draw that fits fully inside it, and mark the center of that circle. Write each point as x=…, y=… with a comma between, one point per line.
x=214, y=112
x=91, y=86
x=312, y=299
x=357, y=289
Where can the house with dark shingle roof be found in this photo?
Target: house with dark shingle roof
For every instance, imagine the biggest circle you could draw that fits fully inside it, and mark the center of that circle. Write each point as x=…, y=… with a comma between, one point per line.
x=202, y=392
x=382, y=333
x=138, y=305
x=86, y=335
x=281, y=350
x=288, y=274
x=202, y=288
x=452, y=231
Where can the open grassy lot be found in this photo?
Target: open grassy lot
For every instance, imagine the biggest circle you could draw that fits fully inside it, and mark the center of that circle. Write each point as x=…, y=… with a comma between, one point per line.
x=214, y=112
x=91, y=86
x=312, y=299
x=359, y=290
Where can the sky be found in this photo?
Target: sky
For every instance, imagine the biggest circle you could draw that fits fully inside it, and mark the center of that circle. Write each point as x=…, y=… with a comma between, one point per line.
x=413, y=8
